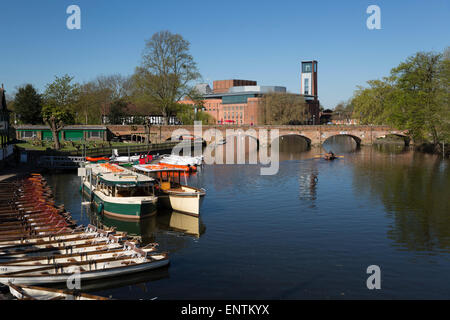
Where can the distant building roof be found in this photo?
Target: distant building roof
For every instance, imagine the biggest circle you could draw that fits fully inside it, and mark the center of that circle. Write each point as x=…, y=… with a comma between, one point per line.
x=260, y=89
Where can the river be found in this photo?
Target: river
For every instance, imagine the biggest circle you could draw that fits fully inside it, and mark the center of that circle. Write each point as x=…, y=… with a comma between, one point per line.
x=308, y=232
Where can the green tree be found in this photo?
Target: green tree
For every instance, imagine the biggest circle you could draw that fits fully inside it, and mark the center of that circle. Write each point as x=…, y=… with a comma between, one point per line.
x=118, y=109
x=167, y=71
x=28, y=105
x=283, y=108
x=187, y=115
x=373, y=105
x=60, y=100
x=415, y=97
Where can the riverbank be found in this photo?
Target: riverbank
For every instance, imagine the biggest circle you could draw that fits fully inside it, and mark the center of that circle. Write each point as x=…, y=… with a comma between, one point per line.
x=434, y=149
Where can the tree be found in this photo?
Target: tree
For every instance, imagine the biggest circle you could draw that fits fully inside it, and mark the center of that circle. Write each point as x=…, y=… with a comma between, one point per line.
x=167, y=71
x=187, y=115
x=283, y=108
x=343, y=111
x=28, y=105
x=417, y=81
x=60, y=100
x=373, y=105
x=415, y=97
x=118, y=110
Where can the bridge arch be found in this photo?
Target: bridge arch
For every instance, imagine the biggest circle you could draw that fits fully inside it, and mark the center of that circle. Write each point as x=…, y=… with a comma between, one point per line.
x=243, y=135
x=280, y=137
x=406, y=139
x=355, y=138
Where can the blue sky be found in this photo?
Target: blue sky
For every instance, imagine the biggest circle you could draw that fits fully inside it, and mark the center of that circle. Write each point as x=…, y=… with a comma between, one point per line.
x=255, y=40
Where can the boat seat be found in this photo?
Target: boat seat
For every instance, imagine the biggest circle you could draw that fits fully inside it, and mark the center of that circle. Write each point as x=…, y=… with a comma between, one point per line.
x=176, y=189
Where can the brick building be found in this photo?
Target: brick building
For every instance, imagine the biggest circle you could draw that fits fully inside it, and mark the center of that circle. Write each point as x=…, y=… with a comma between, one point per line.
x=237, y=101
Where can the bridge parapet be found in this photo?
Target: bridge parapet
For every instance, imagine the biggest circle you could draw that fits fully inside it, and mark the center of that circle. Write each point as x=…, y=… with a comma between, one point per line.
x=315, y=134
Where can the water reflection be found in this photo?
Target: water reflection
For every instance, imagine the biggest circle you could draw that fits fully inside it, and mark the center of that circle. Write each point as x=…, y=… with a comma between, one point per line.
x=414, y=188
x=340, y=144
x=147, y=228
x=180, y=222
x=392, y=148
x=308, y=178
x=330, y=219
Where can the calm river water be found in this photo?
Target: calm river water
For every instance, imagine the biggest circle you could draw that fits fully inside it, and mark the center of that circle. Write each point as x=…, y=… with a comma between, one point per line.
x=309, y=232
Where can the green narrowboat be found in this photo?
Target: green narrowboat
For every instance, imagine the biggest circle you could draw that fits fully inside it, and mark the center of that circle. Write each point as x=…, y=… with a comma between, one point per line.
x=118, y=192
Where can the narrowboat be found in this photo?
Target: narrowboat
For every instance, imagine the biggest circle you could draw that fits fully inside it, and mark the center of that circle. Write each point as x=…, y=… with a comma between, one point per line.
x=119, y=192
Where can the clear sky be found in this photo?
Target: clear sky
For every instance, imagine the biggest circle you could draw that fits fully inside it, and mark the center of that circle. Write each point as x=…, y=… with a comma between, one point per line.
x=255, y=40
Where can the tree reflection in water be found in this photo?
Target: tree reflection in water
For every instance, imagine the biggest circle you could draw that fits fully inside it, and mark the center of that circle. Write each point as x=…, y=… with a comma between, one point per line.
x=414, y=188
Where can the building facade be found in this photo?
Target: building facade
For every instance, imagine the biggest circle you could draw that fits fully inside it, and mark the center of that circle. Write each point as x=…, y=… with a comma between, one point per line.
x=68, y=133
x=238, y=101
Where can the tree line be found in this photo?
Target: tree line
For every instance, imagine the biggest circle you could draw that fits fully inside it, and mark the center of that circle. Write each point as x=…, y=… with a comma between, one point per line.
x=166, y=74
x=414, y=97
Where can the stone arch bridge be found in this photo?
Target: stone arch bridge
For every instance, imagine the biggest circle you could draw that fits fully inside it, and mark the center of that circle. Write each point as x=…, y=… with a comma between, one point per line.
x=313, y=134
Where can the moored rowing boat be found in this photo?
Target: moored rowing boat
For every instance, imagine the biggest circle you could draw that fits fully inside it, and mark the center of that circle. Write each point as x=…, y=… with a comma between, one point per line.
x=23, y=292
x=88, y=270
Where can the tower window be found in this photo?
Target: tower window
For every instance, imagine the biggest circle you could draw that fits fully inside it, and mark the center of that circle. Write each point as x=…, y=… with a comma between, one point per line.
x=306, y=91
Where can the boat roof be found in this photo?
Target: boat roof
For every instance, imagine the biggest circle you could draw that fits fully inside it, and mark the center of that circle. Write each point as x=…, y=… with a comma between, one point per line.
x=120, y=176
x=144, y=169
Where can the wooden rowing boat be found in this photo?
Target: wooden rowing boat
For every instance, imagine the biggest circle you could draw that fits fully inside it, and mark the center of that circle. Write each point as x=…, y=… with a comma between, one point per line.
x=28, y=264
x=23, y=292
x=88, y=270
x=77, y=233
x=109, y=243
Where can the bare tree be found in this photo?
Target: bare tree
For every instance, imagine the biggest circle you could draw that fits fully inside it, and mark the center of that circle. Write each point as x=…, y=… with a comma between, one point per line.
x=167, y=71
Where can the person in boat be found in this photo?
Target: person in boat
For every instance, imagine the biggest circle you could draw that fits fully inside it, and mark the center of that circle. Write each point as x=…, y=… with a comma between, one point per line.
x=329, y=155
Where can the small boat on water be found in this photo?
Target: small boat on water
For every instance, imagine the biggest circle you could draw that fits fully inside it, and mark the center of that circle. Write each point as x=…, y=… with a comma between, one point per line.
x=328, y=156
x=171, y=192
x=23, y=292
x=102, y=243
x=129, y=250
x=88, y=270
x=120, y=192
x=90, y=230
x=182, y=160
x=97, y=159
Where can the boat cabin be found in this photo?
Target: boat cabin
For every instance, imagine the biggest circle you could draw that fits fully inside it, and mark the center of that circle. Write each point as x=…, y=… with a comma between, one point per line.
x=114, y=181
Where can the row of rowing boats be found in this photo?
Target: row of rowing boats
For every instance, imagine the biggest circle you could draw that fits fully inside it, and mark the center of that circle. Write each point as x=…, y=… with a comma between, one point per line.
x=40, y=252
